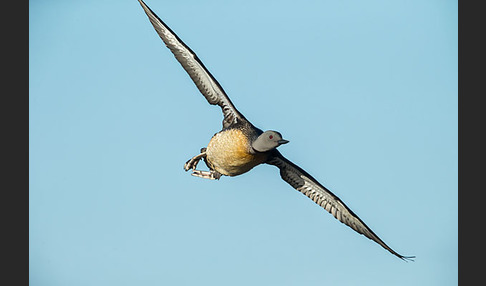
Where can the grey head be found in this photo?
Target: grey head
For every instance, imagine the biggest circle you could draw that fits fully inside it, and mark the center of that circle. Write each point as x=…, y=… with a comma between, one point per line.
x=267, y=141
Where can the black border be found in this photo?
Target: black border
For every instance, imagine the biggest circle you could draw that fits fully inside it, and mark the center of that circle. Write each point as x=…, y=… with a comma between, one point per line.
x=470, y=143
x=15, y=139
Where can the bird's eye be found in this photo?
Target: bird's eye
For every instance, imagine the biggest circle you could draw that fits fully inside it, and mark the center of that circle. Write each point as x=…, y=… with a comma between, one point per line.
x=270, y=137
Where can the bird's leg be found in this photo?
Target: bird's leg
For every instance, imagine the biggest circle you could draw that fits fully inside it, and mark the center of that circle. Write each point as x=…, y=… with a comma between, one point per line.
x=192, y=164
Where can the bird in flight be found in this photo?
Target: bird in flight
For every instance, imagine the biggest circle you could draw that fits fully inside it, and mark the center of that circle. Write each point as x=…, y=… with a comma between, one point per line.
x=240, y=146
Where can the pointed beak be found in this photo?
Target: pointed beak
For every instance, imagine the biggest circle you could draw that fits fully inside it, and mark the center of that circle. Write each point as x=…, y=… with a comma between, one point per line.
x=283, y=141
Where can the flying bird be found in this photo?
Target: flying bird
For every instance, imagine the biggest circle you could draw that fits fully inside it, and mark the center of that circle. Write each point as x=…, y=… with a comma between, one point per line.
x=240, y=146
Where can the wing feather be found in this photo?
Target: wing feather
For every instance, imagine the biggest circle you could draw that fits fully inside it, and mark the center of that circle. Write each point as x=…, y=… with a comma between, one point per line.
x=199, y=74
x=307, y=185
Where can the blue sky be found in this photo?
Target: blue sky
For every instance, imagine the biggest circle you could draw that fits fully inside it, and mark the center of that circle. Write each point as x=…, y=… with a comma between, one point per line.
x=366, y=92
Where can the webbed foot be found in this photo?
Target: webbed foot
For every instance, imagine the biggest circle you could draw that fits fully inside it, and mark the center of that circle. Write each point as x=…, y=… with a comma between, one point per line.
x=212, y=175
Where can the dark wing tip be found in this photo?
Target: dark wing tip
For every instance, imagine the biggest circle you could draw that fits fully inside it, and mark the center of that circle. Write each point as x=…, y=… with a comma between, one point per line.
x=407, y=258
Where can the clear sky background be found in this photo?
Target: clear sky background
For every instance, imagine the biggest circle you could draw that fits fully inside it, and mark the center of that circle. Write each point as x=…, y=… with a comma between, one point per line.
x=366, y=92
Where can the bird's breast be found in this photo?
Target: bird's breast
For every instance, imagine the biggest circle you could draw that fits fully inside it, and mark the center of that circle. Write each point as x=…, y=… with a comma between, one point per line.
x=228, y=153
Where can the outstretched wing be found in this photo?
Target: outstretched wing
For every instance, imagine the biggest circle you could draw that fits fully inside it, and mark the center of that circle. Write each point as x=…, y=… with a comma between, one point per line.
x=203, y=79
x=306, y=184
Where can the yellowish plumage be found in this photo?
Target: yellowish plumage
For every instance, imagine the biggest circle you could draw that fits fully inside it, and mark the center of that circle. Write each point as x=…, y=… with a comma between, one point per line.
x=228, y=153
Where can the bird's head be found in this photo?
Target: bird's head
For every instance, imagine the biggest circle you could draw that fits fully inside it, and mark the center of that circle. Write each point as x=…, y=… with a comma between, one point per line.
x=268, y=140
